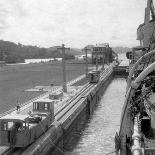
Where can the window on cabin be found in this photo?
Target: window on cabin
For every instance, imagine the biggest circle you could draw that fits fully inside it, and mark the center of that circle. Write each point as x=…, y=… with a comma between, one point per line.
x=35, y=106
x=23, y=126
x=10, y=125
x=4, y=126
x=46, y=106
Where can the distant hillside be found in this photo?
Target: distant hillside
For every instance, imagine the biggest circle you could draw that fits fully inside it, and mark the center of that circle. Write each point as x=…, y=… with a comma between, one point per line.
x=121, y=49
x=13, y=53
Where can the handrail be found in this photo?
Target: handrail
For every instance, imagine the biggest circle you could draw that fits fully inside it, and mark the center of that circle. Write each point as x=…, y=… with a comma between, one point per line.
x=136, y=65
x=131, y=91
x=136, y=147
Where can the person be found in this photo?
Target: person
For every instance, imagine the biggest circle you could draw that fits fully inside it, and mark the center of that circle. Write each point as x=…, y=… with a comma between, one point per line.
x=18, y=107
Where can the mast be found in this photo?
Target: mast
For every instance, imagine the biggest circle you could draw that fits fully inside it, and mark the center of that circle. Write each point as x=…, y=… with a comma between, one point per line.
x=147, y=12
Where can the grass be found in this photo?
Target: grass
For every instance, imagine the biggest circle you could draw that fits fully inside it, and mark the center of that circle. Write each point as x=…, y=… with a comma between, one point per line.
x=15, y=79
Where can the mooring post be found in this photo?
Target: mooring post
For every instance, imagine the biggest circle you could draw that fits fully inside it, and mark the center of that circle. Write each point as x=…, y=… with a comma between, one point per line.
x=86, y=49
x=64, y=67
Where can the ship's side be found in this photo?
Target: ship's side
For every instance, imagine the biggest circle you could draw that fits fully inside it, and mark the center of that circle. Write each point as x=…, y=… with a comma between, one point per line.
x=136, y=135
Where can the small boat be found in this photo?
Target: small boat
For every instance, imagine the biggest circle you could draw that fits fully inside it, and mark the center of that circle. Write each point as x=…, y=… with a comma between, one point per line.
x=19, y=129
x=137, y=127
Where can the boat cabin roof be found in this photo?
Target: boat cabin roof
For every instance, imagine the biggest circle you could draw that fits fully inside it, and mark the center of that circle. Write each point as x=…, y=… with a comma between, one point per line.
x=15, y=117
x=44, y=101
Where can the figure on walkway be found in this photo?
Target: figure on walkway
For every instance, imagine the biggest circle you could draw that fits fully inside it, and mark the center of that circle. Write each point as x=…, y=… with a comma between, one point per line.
x=18, y=107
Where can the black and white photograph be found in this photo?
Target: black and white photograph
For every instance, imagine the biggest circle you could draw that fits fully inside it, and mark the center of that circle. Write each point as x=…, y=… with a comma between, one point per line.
x=77, y=77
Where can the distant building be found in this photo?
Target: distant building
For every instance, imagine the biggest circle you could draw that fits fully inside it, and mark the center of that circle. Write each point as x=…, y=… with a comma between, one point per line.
x=103, y=53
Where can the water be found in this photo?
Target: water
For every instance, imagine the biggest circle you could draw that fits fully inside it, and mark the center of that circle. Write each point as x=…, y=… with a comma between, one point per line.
x=97, y=135
x=125, y=61
x=27, y=61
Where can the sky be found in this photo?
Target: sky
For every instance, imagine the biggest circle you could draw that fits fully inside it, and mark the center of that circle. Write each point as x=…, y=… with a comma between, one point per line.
x=76, y=23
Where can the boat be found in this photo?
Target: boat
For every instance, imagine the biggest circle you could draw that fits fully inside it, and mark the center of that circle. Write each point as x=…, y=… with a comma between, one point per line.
x=136, y=135
x=20, y=129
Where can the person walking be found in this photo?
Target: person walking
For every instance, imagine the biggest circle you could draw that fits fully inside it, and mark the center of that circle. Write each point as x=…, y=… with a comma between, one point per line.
x=18, y=107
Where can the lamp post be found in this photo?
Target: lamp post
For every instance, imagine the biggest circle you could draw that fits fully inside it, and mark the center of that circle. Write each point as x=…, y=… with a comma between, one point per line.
x=103, y=61
x=64, y=67
x=86, y=50
x=96, y=61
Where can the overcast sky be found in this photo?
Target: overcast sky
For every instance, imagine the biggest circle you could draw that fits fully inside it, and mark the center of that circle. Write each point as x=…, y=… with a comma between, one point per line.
x=76, y=23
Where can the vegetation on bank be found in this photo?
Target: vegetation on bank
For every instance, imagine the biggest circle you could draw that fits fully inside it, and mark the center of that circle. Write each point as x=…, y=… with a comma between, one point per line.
x=13, y=53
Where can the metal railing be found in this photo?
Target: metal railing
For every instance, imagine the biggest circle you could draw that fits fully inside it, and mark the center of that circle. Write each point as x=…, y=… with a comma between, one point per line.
x=136, y=137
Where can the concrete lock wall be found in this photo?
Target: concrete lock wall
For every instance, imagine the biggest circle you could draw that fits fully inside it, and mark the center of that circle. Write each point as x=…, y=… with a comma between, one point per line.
x=92, y=99
x=54, y=139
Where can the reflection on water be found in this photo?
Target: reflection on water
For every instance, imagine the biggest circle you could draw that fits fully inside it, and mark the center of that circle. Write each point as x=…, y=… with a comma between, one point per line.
x=99, y=130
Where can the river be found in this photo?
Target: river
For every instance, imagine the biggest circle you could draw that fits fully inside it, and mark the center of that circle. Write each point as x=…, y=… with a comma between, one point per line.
x=96, y=136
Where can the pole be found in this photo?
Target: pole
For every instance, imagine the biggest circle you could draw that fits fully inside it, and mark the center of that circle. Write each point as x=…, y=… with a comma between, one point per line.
x=86, y=49
x=64, y=67
x=103, y=61
x=96, y=61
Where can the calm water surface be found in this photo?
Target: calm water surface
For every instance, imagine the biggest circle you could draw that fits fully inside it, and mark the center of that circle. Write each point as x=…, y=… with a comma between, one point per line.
x=97, y=134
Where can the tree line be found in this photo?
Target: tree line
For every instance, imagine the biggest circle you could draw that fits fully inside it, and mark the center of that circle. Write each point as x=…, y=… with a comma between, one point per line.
x=13, y=53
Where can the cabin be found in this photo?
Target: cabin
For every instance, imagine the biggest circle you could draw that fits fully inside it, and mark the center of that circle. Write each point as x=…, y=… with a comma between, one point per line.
x=93, y=76
x=20, y=130
x=43, y=106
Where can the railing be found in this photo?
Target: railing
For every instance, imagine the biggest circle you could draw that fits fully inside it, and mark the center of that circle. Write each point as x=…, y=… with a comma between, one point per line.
x=136, y=147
